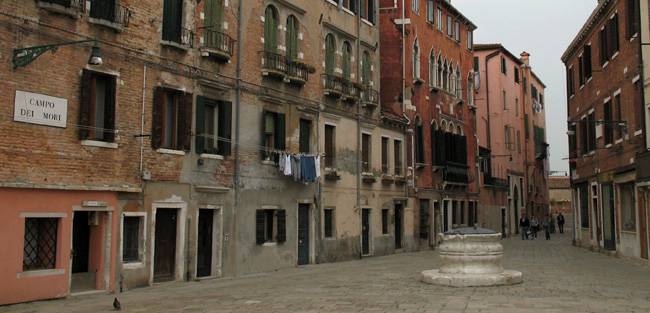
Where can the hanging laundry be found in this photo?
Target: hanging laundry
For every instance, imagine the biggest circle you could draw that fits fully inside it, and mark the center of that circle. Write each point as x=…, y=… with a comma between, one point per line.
x=317, y=165
x=286, y=165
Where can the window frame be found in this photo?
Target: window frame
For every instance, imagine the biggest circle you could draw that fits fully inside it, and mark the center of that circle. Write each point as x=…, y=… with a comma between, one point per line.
x=141, y=238
x=53, y=253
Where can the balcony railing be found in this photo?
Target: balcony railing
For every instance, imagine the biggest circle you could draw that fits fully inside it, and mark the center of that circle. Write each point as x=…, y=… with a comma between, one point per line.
x=455, y=173
x=333, y=85
x=297, y=72
x=351, y=91
x=110, y=11
x=370, y=97
x=181, y=36
x=218, y=43
x=273, y=64
x=494, y=181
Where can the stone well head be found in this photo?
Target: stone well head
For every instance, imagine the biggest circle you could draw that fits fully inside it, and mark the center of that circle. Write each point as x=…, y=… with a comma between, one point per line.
x=471, y=251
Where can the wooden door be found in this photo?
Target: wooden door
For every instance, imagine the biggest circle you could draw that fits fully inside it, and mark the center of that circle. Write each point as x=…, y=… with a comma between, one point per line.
x=398, y=225
x=303, y=234
x=365, y=232
x=165, y=245
x=80, y=242
x=204, y=243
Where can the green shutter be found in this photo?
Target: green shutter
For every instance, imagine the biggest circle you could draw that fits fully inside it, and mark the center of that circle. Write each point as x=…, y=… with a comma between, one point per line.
x=270, y=30
x=200, y=125
x=225, y=128
x=280, y=131
x=84, y=104
x=157, y=118
x=292, y=38
x=282, y=225
x=366, y=69
x=263, y=151
x=109, y=110
x=330, y=54
x=346, y=61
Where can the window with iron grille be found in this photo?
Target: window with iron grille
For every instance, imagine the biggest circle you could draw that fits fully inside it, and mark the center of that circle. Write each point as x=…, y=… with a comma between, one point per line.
x=39, y=251
x=270, y=226
x=131, y=235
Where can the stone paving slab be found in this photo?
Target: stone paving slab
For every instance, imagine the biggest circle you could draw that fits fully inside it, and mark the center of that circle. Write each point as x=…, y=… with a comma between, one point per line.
x=557, y=278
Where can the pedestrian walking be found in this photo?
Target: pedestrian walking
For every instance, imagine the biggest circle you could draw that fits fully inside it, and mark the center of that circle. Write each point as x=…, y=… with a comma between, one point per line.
x=551, y=221
x=560, y=222
x=524, y=225
x=534, y=225
x=546, y=224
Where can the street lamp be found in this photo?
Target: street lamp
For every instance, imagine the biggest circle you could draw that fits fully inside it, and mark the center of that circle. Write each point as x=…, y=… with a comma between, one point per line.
x=24, y=56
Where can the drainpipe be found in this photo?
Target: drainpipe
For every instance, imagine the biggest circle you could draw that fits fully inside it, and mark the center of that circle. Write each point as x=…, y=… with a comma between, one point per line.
x=359, y=129
x=237, y=123
x=144, y=91
x=404, y=58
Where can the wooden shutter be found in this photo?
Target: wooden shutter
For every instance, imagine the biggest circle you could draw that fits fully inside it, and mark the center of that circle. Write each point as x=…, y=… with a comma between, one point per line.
x=282, y=225
x=292, y=38
x=109, y=109
x=85, y=101
x=305, y=135
x=259, y=227
x=263, y=152
x=270, y=30
x=184, y=131
x=280, y=131
x=225, y=128
x=346, y=60
x=330, y=57
x=199, y=133
x=158, y=117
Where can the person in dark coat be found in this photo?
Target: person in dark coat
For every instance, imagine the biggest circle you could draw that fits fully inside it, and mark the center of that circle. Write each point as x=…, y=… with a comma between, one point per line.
x=560, y=222
x=546, y=224
x=524, y=225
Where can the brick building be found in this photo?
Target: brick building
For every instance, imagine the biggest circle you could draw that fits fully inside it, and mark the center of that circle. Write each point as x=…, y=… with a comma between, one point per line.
x=427, y=76
x=605, y=116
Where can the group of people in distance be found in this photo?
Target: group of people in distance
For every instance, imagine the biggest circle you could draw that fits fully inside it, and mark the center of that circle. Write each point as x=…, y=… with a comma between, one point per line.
x=530, y=227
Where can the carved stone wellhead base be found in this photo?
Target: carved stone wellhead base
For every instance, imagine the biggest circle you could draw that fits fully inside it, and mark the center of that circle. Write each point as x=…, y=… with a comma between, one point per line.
x=471, y=257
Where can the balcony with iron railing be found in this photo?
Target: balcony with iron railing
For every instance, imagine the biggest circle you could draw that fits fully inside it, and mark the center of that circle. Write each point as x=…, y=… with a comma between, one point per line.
x=217, y=44
x=332, y=85
x=490, y=180
x=455, y=173
x=178, y=37
x=351, y=91
x=273, y=64
x=109, y=13
x=73, y=8
x=370, y=97
x=297, y=72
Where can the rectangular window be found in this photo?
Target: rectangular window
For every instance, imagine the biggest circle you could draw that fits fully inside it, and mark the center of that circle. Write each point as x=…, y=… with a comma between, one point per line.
x=628, y=210
x=430, y=11
x=504, y=66
x=638, y=106
x=470, y=40
x=439, y=19
x=397, y=149
x=365, y=153
x=450, y=26
x=172, y=119
x=213, y=120
x=457, y=31
x=131, y=235
x=572, y=141
x=604, y=51
x=476, y=64
x=415, y=5
x=97, y=107
x=329, y=223
x=305, y=136
x=609, y=129
x=613, y=35
x=330, y=148
x=103, y=9
x=172, y=22
x=270, y=226
x=584, y=136
x=632, y=11
x=40, y=243
x=569, y=82
x=586, y=57
x=384, y=155
x=384, y=221
x=515, y=70
x=424, y=219
x=591, y=121
x=618, y=131
x=581, y=71
x=584, y=206
x=273, y=134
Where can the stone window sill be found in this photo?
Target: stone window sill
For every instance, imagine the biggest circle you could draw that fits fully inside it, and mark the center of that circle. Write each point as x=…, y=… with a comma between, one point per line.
x=40, y=273
x=175, y=45
x=268, y=162
x=56, y=8
x=133, y=265
x=100, y=144
x=269, y=244
x=114, y=26
x=211, y=156
x=170, y=151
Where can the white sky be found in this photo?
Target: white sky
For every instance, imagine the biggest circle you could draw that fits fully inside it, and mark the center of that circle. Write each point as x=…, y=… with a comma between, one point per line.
x=543, y=28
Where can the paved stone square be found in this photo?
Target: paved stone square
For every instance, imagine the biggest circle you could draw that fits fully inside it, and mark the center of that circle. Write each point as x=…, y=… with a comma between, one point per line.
x=557, y=278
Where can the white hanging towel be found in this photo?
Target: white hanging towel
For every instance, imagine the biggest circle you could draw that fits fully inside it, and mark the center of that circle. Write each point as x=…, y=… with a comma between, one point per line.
x=287, y=166
x=317, y=161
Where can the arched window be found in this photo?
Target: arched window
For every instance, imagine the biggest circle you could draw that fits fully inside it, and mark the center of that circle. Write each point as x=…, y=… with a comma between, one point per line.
x=270, y=29
x=434, y=125
x=433, y=69
x=416, y=60
x=366, y=72
x=459, y=83
x=440, y=75
x=292, y=38
x=459, y=130
x=452, y=80
x=445, y=77
x=470, y=89
x=347, y=60
x=451, y=128
x=330, y=54
x=419, y=141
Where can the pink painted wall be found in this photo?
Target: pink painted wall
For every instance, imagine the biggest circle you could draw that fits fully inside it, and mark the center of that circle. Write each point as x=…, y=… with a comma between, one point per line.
x=18, y=200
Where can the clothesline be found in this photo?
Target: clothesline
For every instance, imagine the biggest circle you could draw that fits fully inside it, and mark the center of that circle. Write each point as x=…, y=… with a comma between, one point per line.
x=303, y=168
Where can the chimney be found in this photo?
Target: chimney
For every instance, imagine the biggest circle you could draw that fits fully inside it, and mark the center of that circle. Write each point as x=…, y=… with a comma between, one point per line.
x=525, y=58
